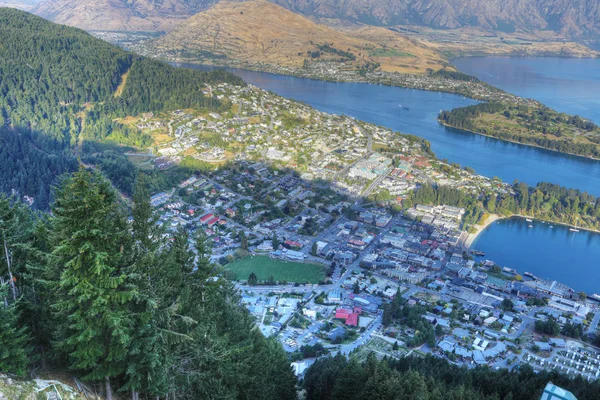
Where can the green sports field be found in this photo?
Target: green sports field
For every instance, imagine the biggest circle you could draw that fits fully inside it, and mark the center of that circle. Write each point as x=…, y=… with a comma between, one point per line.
x=280, y=270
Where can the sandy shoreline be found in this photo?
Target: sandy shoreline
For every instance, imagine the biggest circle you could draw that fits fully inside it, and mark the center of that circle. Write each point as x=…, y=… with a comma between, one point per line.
x=480, y=228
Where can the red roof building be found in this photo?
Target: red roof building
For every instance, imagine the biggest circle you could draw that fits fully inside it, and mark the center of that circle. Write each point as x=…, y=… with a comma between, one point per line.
x=206, y=218
x=291, y=243
x=342, y=313
x=349, y=316
x=212, y=221
x=352, y=320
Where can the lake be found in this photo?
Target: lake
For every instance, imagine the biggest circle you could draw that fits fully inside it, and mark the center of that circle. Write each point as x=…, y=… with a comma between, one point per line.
x=542, y=251
x=551, y=253
x=381, y=105
x=570, y=85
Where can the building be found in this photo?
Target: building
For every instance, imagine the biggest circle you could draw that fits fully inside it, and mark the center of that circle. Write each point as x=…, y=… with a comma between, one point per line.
x=348, y=316
x=553, y=392
x=383, y=221
x=293, y=244
x=543, y=346
x=159, y=199
x=334, y=296
x=206, y=218
x=294, y=255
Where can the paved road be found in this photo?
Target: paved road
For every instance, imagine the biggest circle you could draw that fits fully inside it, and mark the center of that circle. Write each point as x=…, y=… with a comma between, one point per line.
x=594, y=324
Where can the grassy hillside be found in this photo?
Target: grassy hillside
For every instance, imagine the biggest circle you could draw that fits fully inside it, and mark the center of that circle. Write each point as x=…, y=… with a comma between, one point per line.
x=259, y=31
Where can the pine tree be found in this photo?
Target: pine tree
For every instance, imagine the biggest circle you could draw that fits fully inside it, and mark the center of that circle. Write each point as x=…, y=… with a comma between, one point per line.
x=15, y=225
x=244, y=241
x=15, y=350
x=91, y=239
x=147, y=361
x=252, y=279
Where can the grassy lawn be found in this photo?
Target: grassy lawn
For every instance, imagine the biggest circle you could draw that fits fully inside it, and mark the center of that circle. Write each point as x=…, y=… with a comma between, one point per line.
x=280, y=270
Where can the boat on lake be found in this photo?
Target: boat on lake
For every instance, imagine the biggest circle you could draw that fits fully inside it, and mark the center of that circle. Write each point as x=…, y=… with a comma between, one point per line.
x=574, y=229
x=528, y=220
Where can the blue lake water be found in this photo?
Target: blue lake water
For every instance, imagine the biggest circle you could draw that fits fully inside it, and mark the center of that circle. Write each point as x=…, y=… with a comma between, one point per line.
x=557, y=254
x=381, y=105
x=550, y=253
x=570, y=85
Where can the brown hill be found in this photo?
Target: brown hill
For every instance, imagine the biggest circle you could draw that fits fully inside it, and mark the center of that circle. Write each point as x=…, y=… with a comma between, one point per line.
x=571, y=19
x=259, y=31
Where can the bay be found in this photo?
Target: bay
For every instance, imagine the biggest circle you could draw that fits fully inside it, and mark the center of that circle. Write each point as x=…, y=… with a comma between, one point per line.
x=550, y=253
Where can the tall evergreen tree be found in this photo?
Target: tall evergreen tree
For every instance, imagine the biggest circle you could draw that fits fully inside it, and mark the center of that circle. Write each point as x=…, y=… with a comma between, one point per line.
x=91, y=240
x=15, y=350
x=154, y=307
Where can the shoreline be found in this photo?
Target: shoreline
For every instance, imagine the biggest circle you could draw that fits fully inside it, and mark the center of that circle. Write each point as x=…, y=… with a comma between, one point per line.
x=391, y=79
x=515, y=142
x=495, y=217
x=480, y=228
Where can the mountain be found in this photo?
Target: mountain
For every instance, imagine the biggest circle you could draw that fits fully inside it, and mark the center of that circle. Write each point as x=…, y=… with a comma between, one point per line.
x=573, y=19
x=19, y=4
x=259, y=31
x=121, y=15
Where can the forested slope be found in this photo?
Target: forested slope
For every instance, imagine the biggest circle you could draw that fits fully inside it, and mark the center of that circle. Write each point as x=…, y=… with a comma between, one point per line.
x=59, y=82
x=126, y=307
x=430, y=378
x=31, y=162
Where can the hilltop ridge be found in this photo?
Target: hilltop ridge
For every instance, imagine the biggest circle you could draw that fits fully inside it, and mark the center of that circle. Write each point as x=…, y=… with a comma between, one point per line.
x=259, y=31
x=559, y=19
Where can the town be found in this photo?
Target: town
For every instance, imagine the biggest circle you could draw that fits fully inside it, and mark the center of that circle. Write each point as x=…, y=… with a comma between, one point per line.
x=305, y=213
